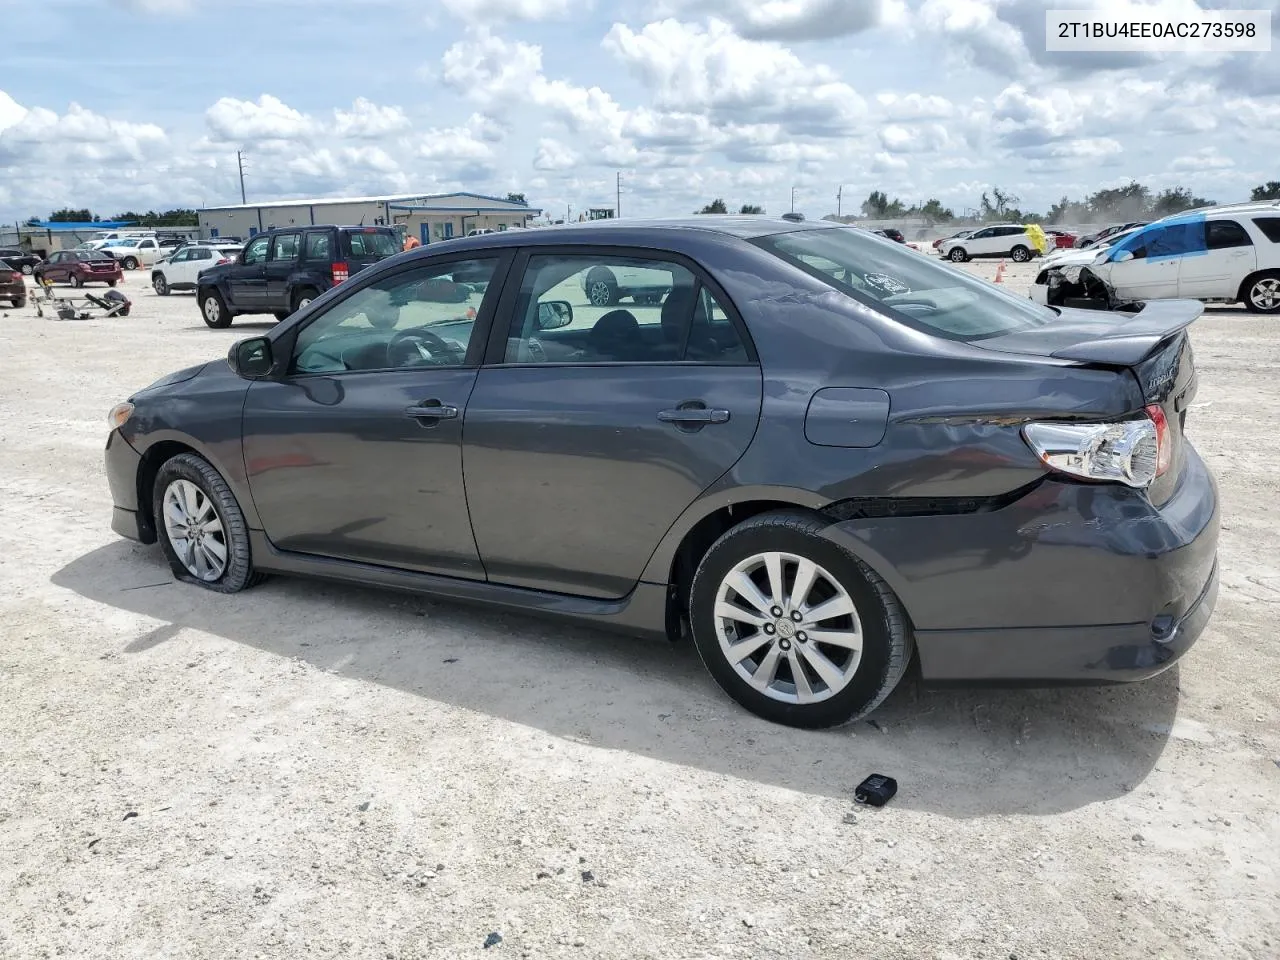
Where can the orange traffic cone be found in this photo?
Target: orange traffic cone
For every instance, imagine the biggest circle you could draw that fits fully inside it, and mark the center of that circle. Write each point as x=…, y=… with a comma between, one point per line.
x=471, y=313
x=1000, y=272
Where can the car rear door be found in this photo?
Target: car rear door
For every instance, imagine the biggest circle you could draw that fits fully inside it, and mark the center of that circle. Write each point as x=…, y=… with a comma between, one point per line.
x=1218, y=270
x=583, y=444
x=355, y=451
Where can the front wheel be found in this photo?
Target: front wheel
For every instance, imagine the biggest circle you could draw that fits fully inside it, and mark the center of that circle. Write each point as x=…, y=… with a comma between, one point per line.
x=202, y=529
x=1020, y=254
x=76, y=281
x=27, y=269
x=1262, y=293
x=129, y=263
x=161, y=285
x=214, y=310
x=602, y=288
x=794, y=627
x=957, y=255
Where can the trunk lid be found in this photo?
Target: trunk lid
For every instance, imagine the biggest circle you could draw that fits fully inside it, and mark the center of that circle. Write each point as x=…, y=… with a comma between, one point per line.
x=1151, y=345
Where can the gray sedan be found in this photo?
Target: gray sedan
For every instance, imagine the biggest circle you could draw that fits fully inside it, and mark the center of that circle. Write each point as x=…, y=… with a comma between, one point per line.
x=814, y=452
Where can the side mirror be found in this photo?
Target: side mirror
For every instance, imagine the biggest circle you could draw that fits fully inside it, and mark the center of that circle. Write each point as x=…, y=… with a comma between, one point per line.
x=251, y=358
x=554, y=314
x=1122, y=256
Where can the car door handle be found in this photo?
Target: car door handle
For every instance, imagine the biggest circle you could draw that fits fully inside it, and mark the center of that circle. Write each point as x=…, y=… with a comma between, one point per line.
x=693, y=415
x=431, y=410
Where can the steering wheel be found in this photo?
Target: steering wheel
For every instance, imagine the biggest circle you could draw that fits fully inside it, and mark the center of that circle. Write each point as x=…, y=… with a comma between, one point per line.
x=410, y=348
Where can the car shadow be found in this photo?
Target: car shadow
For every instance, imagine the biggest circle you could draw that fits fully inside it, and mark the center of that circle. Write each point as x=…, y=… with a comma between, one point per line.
x=238, y=325
x=955, y=752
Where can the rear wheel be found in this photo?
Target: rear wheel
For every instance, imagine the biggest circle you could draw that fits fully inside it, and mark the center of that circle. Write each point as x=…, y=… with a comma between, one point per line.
x=957, y=255
x=161, y=285
x=129, y=263
x=202, y=529
x=1020, y=254
x=303, y=297
x=111, y=283
x=27, y=269
x=214, y=309
x=1262, y=293
x=793, y=626
x=19, y=304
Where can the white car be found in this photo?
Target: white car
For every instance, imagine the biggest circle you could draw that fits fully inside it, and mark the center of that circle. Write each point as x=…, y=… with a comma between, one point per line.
x=1224, y=254
x=181, y=270
x=998, y=240
x=134, y=252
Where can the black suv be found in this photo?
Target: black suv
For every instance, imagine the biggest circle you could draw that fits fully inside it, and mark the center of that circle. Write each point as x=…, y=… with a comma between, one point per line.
x=283, y=270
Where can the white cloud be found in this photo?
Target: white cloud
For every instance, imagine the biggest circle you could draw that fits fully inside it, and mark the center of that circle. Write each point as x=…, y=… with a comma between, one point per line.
x=500, y=11
x=915, y=106
x=554, y=155
x=489, y=70
x=1208, y=158
x=367, y=120
x=794, y=19
x=453, y=144
x=267, y=118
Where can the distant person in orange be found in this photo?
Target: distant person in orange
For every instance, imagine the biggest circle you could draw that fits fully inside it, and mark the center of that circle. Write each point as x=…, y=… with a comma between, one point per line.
x=410, y=241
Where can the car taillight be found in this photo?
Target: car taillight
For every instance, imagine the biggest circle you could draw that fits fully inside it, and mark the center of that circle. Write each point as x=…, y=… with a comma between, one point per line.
x=1132, y=452
x=340, y=272
x=222, y=261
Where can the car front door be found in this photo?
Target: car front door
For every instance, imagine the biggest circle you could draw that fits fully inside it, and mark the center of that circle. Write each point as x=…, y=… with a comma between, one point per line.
x=1144, y=266
x=585, y=442
x=1217, y=272
x=248, y=280
x=285, y=250
x=148, y=252
x=355, y=450
x=177, y=272
x=980, y=243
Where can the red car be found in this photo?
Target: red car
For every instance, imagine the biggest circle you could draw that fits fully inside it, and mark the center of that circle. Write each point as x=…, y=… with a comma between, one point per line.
x=12, y=286
x=1062, y=239
x=78, y=267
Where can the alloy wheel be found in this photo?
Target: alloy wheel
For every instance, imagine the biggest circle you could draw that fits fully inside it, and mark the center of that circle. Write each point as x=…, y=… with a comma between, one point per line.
x=1265, y=294
x=788, y=628
x=212, y=311
x=195, y=530
x=598, y=293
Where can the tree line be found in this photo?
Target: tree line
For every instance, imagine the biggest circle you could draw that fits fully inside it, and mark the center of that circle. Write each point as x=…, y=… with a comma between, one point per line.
x=181, y=217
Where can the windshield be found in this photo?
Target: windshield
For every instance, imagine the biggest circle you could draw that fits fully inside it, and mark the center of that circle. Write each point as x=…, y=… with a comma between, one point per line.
x=904, y=284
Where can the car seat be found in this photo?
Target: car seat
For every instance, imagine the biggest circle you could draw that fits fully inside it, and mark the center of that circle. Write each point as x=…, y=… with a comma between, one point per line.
x=616, y=336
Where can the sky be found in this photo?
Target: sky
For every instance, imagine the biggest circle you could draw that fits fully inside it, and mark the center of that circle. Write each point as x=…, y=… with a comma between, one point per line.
x=142, y=104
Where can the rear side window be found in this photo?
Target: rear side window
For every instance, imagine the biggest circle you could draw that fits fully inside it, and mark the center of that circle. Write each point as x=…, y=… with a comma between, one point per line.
x=285, y=247
x=319, y=246
x=372, y=243
x=1222, y=234
x=1270, y=227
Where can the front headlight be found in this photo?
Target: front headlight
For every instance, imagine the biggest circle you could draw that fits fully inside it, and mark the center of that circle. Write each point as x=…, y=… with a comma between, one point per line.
x=120, y=413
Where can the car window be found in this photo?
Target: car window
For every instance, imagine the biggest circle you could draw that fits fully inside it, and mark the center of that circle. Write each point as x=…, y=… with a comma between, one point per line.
x=371, y=243
x=319, y=246
x=419, y=318
x=182, y=256
x=256, y=252
x=284, y=246
x=1224, y=234
x=981, y=234
x=584, y=308
x=916, y=291
x=1270, y=227
x=147, y=245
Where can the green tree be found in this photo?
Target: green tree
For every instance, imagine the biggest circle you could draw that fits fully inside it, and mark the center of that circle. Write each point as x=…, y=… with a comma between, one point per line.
x=1175, y=200
x=999, y=205
x=67, y=215
x=751, y=208
x=1266, y=191
x=1068, y=211
x=876, y=205
x=935, y=212
x=1130, y=202
x=516, y=198
x=715, y=206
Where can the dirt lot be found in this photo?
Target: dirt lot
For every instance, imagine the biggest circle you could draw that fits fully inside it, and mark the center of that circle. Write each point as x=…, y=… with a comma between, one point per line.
x=308, y=770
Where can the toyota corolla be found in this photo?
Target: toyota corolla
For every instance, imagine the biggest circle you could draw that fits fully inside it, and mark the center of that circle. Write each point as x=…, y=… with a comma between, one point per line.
x=816, y=453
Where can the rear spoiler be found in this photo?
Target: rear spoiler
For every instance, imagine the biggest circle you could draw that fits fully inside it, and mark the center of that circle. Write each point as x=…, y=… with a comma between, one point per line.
x=1132, y=340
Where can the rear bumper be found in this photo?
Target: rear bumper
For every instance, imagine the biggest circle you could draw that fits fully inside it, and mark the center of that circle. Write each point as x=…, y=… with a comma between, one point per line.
x=1071, y=583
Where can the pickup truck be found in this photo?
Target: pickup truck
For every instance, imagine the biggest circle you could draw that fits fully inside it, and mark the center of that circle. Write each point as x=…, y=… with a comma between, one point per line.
x=134, y=252
x=284, y=269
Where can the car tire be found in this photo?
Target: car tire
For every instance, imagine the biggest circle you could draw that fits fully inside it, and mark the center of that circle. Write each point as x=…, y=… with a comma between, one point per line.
x=27, y=269
x=843, y=681
x=111, y=283
x=160, y=284
x=19, y=304
x=214, y=309
x=1261, y=292
x=1020, y=254
x=75, y=280
x=282, y=315
x=129, y=263
x=189, y=491
x=602, y=287
x=303, y=297
x=957, y=255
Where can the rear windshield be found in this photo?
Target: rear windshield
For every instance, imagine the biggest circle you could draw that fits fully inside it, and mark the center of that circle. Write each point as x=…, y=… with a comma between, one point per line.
x=906, y=285
x=371, y=243
x=95, y=255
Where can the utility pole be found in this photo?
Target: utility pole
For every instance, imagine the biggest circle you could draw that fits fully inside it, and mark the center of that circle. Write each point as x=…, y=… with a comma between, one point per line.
x=793, y=199
x=617, y=208
x=240, y=165
x=839, y=194
x=567, y=208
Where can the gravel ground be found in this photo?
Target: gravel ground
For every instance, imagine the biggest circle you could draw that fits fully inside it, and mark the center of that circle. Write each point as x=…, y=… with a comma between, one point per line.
x=309, y=770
